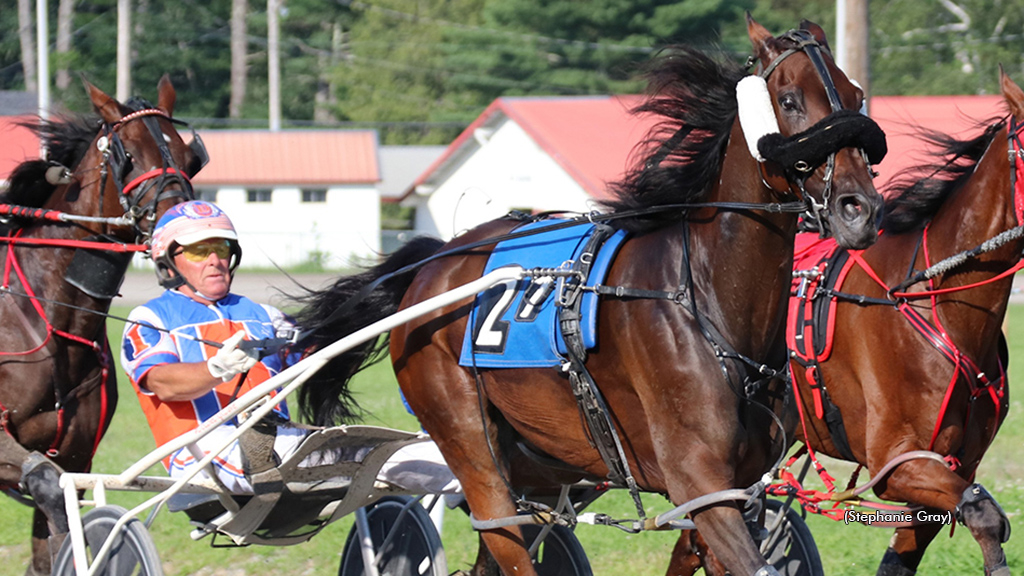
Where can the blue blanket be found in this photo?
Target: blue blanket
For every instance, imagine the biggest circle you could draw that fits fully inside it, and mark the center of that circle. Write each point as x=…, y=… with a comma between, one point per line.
x=515, y=325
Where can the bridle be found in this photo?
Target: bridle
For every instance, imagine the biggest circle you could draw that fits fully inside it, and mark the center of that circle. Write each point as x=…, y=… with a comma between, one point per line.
x=133, y=194
x=798, y=154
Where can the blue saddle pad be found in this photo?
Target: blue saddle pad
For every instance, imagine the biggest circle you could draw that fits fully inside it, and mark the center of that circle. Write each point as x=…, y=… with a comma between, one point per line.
x=515, y=325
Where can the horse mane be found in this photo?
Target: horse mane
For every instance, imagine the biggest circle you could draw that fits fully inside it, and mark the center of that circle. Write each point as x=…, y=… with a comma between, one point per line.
x=681, y=157
x=67, y=139
x=915, y=194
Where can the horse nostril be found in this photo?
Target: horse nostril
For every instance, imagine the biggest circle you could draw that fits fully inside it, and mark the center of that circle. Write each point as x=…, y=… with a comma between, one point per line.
x=850, y=208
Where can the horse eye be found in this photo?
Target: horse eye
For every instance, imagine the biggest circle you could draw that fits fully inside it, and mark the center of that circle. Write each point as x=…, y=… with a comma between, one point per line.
x=789, y=102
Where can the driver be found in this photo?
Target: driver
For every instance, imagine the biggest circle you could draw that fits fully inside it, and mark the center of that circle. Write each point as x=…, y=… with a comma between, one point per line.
x=182, y=380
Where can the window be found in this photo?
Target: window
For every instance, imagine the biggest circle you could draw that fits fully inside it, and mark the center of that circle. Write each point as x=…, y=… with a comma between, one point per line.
x=207, y=195
x=258, y=195
x=314, y=195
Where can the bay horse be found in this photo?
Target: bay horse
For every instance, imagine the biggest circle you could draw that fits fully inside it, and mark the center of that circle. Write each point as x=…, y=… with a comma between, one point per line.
x=918, y=359
x=75, y=221
x=701, y=222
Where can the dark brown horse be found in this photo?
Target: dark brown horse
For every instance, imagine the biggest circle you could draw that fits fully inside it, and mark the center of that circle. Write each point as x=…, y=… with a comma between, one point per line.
x=671, y=369
x=925, y=367
x=76, y=220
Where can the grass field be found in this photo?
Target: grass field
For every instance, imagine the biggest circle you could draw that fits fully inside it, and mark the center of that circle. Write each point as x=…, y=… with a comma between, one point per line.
x=846, y=550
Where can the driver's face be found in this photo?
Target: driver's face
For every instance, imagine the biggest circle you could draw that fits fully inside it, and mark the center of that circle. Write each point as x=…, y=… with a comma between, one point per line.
x=206, y=266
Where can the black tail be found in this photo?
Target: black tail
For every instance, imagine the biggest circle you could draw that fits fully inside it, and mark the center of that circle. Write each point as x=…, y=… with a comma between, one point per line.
x=325, y=399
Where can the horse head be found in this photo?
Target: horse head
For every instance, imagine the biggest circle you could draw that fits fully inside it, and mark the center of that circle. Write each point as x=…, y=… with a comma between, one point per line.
x=800, y=116
x=138, y=165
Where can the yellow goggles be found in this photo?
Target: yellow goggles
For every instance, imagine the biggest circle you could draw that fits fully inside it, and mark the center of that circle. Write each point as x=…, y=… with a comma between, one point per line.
x=200, y=251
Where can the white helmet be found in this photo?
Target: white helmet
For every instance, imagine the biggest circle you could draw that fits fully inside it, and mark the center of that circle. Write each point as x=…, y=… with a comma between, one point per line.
x=188, y=223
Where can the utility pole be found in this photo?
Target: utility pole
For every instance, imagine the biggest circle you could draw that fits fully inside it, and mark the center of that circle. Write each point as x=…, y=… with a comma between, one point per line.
x=124, y=50
x=43, y=59
x=273, y=65
x=853, y=52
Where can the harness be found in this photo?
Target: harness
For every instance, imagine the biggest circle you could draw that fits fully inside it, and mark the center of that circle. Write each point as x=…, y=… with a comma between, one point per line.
x=131, y=194
x=818, y=288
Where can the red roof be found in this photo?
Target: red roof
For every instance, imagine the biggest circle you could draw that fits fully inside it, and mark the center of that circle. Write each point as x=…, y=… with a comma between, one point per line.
x=899, y=117
x=318, y=157
x=592, y=137
x=17, y=144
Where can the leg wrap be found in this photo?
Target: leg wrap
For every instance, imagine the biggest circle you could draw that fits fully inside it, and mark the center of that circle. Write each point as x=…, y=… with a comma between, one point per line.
x=971, y=510
x=766, y=570
x=40, y=478
x=892, y=565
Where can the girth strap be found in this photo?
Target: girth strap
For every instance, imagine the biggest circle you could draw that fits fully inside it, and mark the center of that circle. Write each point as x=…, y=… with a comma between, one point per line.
x=594, y=411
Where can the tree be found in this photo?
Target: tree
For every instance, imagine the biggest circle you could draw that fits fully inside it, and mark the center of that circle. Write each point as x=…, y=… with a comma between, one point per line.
x=28, y=47
x=65, y=17
x=947, y=47
x=239, y=56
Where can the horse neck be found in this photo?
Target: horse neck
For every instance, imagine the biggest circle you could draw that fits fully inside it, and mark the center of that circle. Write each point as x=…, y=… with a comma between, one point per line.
x=980, y=210
x=741, y=260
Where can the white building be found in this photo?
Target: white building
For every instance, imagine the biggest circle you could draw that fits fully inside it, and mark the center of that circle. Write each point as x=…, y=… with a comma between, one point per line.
x=296, y=197
x=532, y=154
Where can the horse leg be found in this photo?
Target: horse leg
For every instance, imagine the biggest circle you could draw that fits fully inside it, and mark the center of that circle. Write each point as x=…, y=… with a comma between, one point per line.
x=37, y=477
x=465, y=434
x=933, y=485
x=988, y=524
x=906, y=549
x=44, y=546
x=691, y=553
x=40, y=478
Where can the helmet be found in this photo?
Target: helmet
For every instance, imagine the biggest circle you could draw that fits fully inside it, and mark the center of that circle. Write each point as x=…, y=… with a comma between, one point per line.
x=184, y=224
x=188, y=223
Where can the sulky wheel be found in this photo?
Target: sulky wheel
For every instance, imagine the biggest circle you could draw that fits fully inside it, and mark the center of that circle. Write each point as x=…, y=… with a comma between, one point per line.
x=789, y=547
x=133, y=553
x=404, y=541
x=560, y=554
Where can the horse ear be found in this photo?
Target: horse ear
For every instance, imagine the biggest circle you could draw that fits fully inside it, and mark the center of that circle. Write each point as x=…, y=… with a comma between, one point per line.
x=167, y=95
x=816, y=31
x=108, y=108
x=1012, y=93
x=760, y=38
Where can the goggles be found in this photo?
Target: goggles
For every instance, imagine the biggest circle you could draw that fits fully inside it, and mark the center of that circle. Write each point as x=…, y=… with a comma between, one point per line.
x=200, y=251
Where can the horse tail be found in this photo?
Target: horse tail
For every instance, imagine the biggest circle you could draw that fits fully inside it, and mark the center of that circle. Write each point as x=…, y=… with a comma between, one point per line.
x=325, y=398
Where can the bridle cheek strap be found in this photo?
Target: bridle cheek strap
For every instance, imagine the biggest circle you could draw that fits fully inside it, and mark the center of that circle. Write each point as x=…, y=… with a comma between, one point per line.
x=1017, y=169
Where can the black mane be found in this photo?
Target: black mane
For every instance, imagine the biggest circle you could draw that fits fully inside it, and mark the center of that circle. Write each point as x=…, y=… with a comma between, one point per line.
x=67, y=140
x=695, y=94
x=916, y=194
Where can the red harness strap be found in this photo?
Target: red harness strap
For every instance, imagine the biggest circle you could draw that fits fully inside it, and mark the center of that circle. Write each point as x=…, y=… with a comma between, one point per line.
x=11, y=264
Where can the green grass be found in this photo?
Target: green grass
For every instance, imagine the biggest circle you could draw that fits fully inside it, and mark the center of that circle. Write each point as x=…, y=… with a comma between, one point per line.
x=846, y=550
